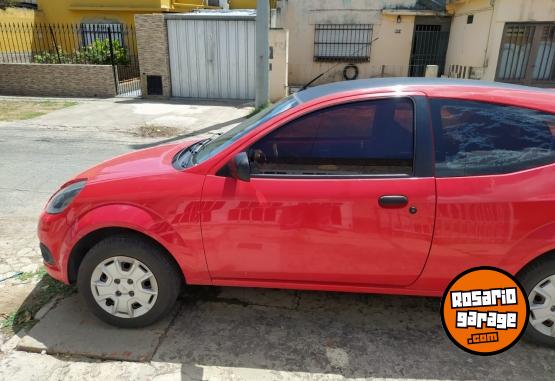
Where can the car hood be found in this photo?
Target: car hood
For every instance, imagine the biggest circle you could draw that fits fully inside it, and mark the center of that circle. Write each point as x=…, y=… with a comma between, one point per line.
x=145, y=162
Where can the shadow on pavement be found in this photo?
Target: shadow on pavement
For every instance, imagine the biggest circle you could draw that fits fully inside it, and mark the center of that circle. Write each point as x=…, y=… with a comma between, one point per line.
x=264, y=333
x=214, y=127
x=38, y=296
x=332, y=333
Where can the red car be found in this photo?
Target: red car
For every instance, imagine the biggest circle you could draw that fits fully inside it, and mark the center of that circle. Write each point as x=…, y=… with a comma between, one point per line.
x=379, y=186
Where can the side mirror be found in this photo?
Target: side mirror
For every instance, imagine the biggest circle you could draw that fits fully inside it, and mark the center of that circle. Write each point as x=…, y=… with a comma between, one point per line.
x=239, y=167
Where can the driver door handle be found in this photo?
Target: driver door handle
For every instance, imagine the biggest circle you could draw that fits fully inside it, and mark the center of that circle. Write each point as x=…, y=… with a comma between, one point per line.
x=393, y=201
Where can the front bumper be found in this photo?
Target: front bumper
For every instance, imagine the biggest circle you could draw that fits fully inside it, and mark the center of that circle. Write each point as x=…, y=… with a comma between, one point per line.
x=52, y=229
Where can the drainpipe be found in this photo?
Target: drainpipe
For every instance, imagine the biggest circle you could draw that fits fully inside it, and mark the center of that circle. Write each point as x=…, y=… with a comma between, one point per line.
x=262, y=51
x=486, y=58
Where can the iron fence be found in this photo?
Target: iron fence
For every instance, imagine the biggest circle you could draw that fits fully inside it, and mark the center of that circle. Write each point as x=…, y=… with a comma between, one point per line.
x=88, y=44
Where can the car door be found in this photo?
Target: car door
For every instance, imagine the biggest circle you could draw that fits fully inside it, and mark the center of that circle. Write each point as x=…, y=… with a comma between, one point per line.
x=336, y=196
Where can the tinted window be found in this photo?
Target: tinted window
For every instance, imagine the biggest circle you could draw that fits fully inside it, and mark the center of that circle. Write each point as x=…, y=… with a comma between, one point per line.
x=371, y=137
x=225, y=140
x=475, y=138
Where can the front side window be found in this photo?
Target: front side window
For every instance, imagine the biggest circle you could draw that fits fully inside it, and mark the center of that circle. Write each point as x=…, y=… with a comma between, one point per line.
x=476, y=138
x=368, y=138
x=225, y=140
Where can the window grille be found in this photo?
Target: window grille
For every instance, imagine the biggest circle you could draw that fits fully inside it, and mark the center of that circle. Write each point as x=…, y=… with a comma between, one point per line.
x=342, y=42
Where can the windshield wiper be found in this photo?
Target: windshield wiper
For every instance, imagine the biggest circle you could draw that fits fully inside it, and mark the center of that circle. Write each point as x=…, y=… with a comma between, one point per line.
x=183, y=158
x=198, y=146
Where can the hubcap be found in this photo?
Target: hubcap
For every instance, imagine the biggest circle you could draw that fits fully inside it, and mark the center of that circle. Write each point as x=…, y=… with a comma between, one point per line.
x=542, y=306
x=124, y=287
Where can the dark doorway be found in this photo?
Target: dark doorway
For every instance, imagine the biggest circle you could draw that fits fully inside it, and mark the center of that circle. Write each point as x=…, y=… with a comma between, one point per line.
x=429, y=44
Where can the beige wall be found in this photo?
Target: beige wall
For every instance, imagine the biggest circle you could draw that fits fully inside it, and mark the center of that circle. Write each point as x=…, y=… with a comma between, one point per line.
x=57, y=80
x=392, y=49
x=278, y=39
x=152, y=46
x=478, y=44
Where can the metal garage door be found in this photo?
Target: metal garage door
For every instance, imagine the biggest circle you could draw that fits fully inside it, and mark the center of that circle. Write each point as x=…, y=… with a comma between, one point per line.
x=212, y=56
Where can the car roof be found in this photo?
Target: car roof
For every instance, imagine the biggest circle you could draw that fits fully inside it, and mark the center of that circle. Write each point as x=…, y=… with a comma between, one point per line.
x=415, y=84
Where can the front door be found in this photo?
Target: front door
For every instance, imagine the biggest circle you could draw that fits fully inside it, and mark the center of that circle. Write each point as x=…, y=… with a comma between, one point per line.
x=332, y=199
x=429, y=44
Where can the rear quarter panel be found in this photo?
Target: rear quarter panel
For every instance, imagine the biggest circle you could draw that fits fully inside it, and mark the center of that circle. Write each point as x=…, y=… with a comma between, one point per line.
x=503, y=221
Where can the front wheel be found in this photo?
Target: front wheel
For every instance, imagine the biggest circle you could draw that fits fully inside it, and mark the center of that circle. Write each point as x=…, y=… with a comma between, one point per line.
x=128, y=282
x=539, y=282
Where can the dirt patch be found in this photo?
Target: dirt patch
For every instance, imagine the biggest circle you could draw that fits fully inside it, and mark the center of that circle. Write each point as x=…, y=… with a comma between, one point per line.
x=11, y=110
x=25, y=297
x=157, y=131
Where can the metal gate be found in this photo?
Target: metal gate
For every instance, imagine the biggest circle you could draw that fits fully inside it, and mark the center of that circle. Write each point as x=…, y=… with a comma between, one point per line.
x=527, y=54
x=127, y=75
x=429, y=47
x=122, y=50
x=212, y=56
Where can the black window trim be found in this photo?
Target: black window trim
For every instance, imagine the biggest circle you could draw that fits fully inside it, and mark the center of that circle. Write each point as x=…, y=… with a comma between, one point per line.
x=423, y=164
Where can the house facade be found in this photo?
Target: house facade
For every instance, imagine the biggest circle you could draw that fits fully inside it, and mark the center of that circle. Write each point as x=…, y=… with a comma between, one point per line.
x=105, y=11
x=503, y=40
x=379, y=37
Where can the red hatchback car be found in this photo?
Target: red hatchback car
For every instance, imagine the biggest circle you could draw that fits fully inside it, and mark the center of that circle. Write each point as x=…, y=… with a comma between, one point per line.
x=379, y=186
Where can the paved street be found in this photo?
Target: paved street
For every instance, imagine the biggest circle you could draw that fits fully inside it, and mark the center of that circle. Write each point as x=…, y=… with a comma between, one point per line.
x=215, y=333
x=38, y=155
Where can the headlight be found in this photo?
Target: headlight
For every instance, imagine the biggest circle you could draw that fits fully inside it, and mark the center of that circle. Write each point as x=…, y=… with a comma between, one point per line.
x=64, y=197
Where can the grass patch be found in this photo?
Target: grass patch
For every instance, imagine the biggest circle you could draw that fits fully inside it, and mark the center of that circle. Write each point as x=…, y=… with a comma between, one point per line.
x=11, y=110
x=31, y=274
x=45, y=290
x=258, y=109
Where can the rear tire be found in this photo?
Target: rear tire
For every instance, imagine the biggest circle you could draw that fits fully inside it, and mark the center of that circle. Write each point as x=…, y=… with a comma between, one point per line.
x=538, y=280
x=129, y=282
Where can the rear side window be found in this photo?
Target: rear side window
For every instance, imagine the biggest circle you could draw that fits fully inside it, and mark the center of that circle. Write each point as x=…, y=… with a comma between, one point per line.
x=477, y=138
x=362, y=138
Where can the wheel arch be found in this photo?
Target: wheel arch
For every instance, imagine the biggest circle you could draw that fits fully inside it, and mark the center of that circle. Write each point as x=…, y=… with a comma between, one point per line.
x=546, y=256
x=82, y=247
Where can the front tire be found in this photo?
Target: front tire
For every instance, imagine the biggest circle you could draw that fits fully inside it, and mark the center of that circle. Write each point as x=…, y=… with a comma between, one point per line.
x=539, y=282
x=128, y=281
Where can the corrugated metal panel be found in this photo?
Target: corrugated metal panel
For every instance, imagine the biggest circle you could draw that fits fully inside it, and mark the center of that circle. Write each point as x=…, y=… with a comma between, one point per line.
x=212, y=58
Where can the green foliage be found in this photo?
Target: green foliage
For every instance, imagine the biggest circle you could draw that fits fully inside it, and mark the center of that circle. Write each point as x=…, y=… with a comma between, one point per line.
x=45, y=290
x=7, y=3
x=97, y=53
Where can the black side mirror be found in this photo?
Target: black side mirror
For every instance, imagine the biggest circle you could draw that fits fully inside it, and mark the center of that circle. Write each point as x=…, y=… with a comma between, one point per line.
x=239, y=167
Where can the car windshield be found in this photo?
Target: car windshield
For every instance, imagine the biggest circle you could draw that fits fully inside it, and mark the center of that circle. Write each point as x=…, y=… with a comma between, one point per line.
x=218, y=144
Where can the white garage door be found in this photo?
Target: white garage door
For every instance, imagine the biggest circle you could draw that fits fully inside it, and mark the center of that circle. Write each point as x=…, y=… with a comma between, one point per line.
x=212, y=58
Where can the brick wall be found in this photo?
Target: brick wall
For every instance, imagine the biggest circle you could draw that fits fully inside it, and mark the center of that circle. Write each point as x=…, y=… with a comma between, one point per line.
x=152, y=46
x=57, y=80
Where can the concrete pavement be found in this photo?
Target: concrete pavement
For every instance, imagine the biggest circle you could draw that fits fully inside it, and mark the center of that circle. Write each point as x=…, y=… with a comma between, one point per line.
x=260, y=334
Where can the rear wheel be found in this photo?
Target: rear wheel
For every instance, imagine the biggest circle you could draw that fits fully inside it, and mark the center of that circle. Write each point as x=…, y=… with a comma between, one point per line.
x=539, y=282
x=128, y=281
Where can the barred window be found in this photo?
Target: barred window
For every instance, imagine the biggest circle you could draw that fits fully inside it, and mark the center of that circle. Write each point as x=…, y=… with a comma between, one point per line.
x=342, y=42
x=101, y=31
